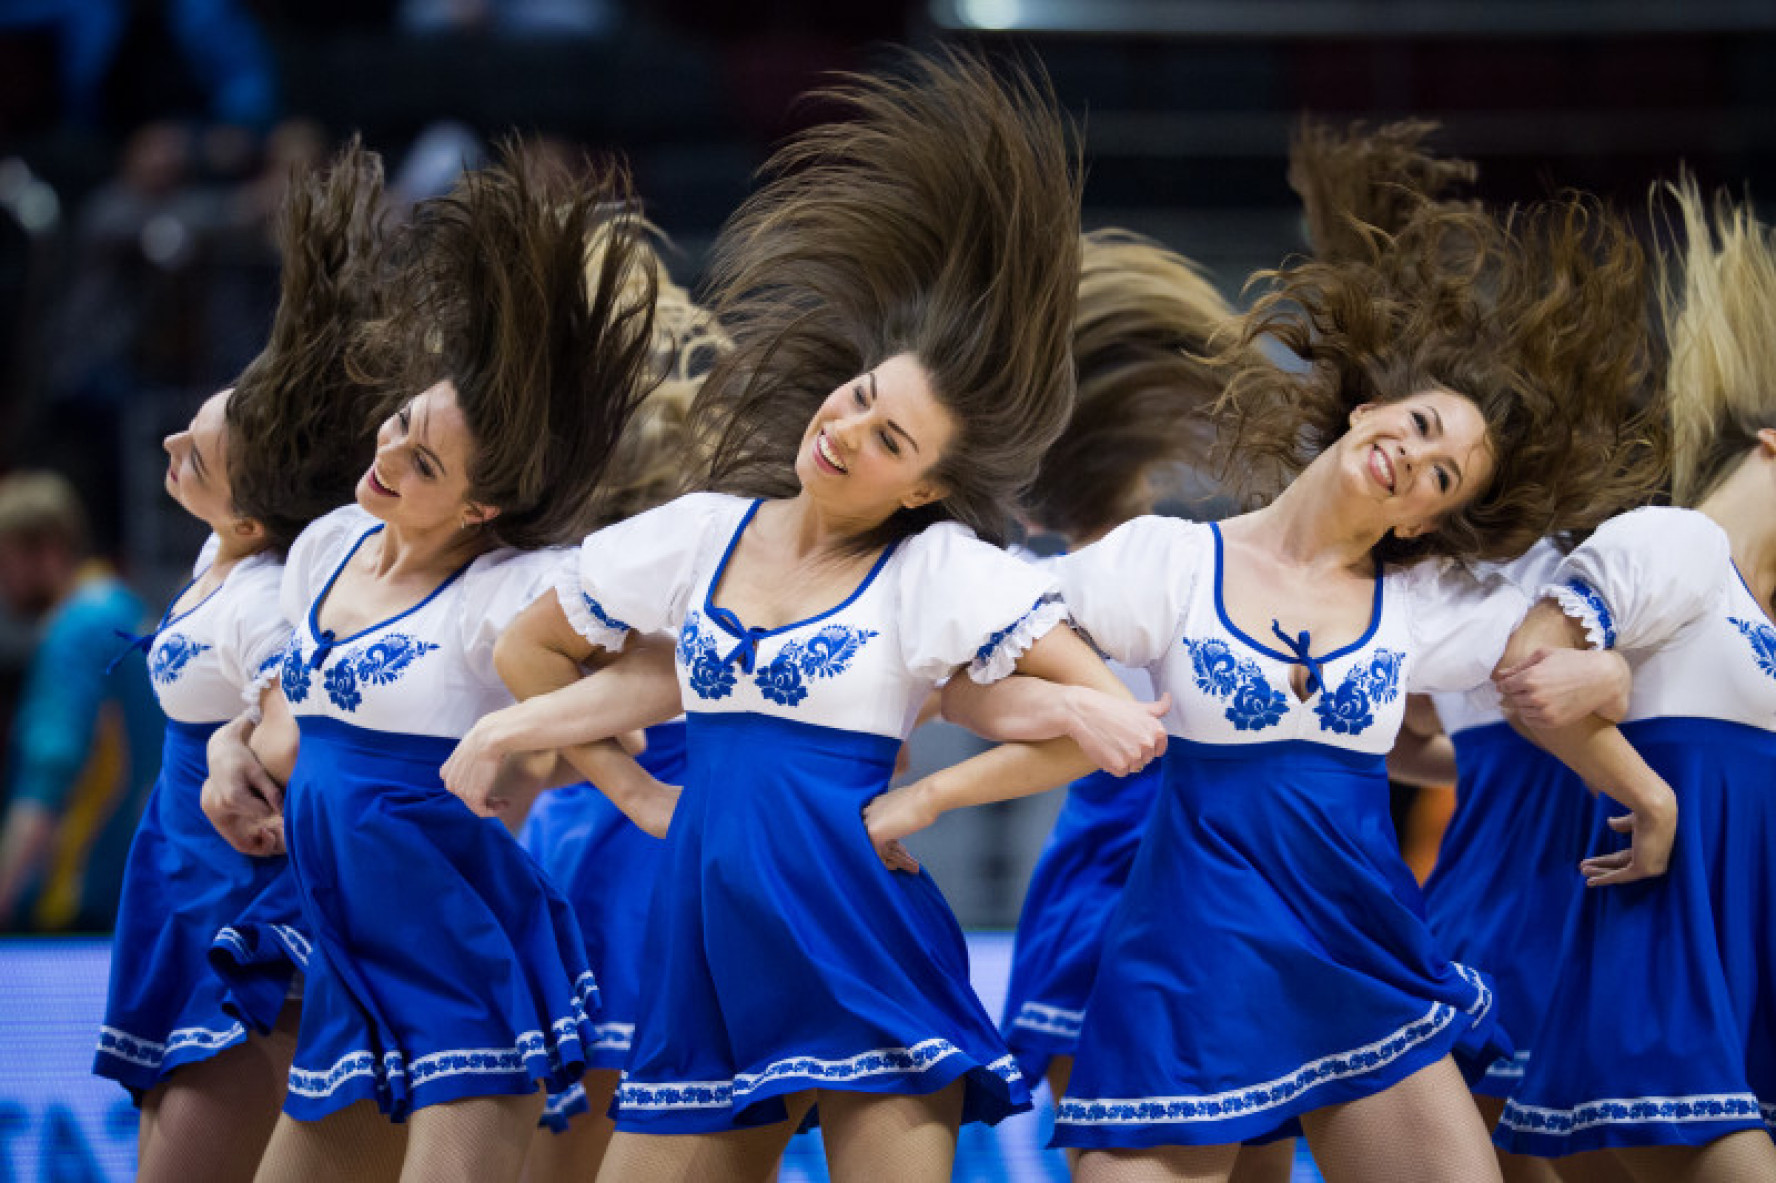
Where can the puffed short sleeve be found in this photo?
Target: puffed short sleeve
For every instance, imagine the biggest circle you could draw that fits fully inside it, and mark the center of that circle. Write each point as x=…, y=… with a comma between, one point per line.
x=1643, y=576
x=1461, y=621
x=497, y=587
x=639, y=574
x=965, y=602
x=315, y=555
x=256, y=631
x=1128, y=591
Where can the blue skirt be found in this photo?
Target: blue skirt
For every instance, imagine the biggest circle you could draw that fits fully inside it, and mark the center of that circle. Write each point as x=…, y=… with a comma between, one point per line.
x=182, y=883
x=1270, y=957
x=446, y=964
x=606, y=868
x=1507, y=877
x=1661, y=1030
x=1073, y=892
x=781, y=956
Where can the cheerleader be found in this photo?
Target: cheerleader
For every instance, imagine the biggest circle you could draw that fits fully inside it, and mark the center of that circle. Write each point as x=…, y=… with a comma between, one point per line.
x=899, y=297
x=1269, y=962
x=1659, y=1038
x=604, y=863
x=258, y=462
x=449, y=980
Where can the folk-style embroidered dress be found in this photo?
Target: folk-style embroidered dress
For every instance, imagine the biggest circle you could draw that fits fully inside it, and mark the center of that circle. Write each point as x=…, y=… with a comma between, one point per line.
x=1270, y=954
x=183, y=883
x=780, y=954
x=1507, y=873
x=1074, y=889
x=1661, y=1028
x=448, y=965
x=605, y=866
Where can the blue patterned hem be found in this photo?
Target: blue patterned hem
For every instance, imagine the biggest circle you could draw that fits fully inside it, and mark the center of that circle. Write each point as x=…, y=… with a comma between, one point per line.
x=1582, y=602
x=1635, y=1111
x=805, y=1071
x=1283, y=1090
x=1511, y=1069
x=151, y=1054
x=1049, y=1020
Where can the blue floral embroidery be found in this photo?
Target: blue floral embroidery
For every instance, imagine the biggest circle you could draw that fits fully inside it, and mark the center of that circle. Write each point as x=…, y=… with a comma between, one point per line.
x=1349, y=710
x=601, y=616
x=710, y=677
x=377, y=663
x=1763, y=642
x=1593, y=601
x=827, y=654
x=172, y=653
x=1630, y=1111
x=294, y=675
x=985, y=652
x=1254, y=703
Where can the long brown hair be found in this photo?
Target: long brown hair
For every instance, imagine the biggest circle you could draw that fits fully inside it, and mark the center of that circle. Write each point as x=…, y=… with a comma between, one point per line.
x=1145, y=321
x=300, y=428
x=1717, y=297
x=1540, y=317
x=941, y=220
x=549, y=356
x=1357, y=183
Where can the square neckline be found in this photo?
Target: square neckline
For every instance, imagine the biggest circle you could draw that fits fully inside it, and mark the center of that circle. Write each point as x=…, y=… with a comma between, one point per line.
x=730, y=622
x=1375, y=612
x=325, y=638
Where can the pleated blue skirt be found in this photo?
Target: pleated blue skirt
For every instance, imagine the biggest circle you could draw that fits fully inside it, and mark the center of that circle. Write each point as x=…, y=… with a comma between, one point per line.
x=781, y=955
x=1269, y=957
x=1507, y=877
x=1073, y=891
x=182, y=884
x=446, y=963
x=1661, y=1029
x=606, y=868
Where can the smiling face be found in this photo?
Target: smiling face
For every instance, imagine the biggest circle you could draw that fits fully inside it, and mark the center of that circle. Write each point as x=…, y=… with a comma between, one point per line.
x=197, y=469
x=871, y=447
x=419, y=480
x=1416, y=459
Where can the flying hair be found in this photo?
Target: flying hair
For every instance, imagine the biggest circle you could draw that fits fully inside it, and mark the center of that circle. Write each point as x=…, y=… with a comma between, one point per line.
x=1357, y=183
x=939, y=219
x=300, y=427
x=1717, y=299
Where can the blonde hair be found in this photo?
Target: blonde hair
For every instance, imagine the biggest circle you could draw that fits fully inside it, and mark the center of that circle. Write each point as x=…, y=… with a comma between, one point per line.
x=1145, y=319
x=1717, y=298
x=40, y=506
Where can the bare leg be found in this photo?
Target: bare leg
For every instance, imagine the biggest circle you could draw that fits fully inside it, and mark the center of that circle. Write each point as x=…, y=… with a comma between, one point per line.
x=212, y=1119
x=475, y=1140
x=910, y=1138
x=355, y=1145
x=573, y=1156
x=1424, y=1129
x=1745, y=1157
x=739, y=1156
x=1274, y=1162
x=1160, y=1164
x=1516, y=1168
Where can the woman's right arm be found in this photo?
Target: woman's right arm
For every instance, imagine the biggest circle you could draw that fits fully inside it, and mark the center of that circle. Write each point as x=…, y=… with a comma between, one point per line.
x=249, y=763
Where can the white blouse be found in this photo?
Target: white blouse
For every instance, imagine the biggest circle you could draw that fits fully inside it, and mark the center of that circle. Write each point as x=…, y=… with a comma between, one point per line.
x=209, y=660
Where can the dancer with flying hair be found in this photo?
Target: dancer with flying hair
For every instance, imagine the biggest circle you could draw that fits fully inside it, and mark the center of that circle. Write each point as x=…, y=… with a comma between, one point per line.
x=604, y=863
x=900, y=295
x=1270, y=962
x=259, y=461
x=1659, y=1039
x=449, y=979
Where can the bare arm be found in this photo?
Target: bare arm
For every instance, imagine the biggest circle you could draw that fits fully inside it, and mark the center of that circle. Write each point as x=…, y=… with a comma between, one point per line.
x=1423, y=755
x=240, y=796
x=1598, y=752
x=1012, y=770
x=1110, y=726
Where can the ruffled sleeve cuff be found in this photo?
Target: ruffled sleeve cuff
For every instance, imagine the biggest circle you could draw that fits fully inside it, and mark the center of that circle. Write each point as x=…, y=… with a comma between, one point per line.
x=1581, y=601
x=998, y=658
x=587, y=616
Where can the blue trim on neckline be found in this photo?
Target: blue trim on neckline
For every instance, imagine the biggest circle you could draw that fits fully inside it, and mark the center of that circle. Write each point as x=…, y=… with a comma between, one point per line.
x=1290, y=658
x=168, y=620
x=314, y=609
x=1744, y=583
x=717, y=614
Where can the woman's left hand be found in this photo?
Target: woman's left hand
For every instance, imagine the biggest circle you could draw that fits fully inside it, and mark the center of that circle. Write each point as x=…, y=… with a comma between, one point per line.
x=1558, y=687
x=893, y=816
x=473, y=770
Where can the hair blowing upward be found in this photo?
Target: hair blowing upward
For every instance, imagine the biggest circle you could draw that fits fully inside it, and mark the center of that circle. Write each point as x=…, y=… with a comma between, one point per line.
x=941, y=220
x=299, y=423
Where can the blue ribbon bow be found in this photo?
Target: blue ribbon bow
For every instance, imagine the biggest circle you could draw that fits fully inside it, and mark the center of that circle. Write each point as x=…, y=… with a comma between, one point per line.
x=142, y=641
x=321, y=650
x=1298, y=646
x=746, y=648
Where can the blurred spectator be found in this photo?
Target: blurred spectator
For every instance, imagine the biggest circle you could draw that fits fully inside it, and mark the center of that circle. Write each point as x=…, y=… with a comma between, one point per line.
x=510, y=18
x=84, y=748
